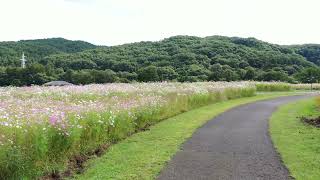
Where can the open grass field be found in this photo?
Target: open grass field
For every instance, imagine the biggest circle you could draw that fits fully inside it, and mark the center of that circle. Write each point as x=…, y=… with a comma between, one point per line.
x=297, y=142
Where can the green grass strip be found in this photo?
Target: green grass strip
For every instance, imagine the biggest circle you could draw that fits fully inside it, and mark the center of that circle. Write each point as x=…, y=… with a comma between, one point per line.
x=143, y=155
x=298, y=143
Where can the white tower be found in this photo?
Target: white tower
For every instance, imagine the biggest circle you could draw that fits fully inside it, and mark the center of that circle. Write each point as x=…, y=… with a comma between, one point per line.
x=23, y=60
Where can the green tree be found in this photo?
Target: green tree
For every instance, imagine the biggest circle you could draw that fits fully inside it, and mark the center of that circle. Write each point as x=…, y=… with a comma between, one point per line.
x=309, y=75
x=230, y=75
x=82, y=64
x=167, y=73
x=148, y=74
x=82, y=77
x=273, y=76
x=216, y=72
x=106, y=76
x=250, y=74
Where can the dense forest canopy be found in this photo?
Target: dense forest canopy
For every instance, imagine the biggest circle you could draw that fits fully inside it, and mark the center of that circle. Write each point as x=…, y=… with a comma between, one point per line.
x=178, y=58
x=10, y=52
x=310, y=51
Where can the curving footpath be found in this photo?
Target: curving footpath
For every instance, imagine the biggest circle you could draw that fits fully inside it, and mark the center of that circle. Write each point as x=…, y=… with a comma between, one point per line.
x=235, y=145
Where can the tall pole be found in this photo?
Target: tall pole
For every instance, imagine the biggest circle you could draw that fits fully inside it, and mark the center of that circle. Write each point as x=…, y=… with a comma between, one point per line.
x=23, y=60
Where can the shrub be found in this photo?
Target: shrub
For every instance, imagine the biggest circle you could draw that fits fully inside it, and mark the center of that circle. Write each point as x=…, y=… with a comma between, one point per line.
x=274, y=86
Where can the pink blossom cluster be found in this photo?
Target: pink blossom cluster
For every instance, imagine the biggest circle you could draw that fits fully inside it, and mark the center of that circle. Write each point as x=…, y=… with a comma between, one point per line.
x=28, y=106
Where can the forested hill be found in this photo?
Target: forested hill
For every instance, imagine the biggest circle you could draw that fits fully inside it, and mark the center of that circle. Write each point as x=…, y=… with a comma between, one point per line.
x=10, y=52
x=179, y=58
x=310, y=51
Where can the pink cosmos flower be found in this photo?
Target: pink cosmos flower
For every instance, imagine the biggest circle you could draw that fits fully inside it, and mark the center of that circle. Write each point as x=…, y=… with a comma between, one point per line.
x=53, y=120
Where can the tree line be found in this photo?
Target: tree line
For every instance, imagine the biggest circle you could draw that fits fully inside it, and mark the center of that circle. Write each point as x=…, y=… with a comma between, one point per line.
x=178, y=58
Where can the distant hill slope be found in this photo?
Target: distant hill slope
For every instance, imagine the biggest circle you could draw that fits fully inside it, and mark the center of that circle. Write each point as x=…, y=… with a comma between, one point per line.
x=10, y=52
x=180, y=49
x=179, y=58
x=188, y=56
x=310, y=51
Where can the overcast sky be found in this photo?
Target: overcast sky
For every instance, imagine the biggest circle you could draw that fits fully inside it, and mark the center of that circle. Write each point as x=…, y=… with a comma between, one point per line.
x=113, y=22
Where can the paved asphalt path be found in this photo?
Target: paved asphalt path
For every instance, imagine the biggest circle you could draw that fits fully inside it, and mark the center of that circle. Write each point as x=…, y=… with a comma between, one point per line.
x=235, y=145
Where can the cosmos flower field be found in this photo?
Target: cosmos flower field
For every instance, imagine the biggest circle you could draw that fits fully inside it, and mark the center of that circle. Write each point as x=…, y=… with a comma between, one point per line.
x=42, y=128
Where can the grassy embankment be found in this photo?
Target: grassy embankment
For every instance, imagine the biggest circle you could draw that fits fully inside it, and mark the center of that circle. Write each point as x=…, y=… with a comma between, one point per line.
x=143, y=155
x=297, y=142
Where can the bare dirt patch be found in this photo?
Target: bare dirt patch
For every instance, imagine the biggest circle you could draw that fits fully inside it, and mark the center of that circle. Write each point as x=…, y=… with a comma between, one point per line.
x=312, y=121
x=76, y=164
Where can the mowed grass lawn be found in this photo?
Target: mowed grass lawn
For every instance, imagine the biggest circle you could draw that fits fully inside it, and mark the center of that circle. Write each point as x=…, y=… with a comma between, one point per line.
x=297, y=142
x=143, y=155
